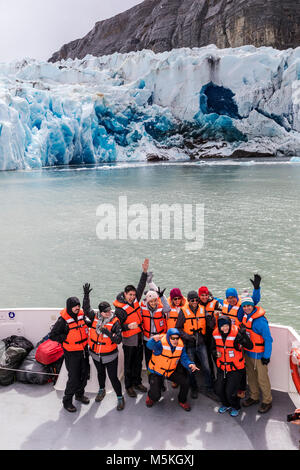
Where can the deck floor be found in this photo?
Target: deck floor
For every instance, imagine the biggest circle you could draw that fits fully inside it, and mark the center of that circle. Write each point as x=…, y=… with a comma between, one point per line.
x=32, y=418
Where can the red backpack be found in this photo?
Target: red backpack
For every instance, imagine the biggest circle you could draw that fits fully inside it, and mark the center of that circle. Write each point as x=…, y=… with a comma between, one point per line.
x=48, y=352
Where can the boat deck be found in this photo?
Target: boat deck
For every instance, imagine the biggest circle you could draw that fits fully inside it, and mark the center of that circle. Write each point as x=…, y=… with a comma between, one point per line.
x=32, y=418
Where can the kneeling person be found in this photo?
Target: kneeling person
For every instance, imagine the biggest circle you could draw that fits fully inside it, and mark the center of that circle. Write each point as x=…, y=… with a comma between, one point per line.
x=169, y=360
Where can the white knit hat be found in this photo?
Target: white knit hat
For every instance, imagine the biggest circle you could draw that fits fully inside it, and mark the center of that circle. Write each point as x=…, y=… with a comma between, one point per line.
x=151, y=295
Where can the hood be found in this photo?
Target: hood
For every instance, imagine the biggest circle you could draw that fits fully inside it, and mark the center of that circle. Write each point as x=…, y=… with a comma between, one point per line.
x=224, y=320
x=71, y=302
x=170, y=332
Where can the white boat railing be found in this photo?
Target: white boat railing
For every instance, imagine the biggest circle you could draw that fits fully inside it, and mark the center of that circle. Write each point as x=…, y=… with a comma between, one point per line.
x=35, y=323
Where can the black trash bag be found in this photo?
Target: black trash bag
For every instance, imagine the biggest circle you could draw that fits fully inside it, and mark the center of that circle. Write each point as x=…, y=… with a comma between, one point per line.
x=11, y=358
x=18, y=342
x=32, y=371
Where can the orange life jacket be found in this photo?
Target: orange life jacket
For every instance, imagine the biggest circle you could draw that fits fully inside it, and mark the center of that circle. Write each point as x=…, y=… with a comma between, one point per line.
x=230, y=358
x=210, y=309
x=159, y=321
x=194, y=322
x=166, y=363
x=172, y=318
x=133, y=315
x=257, y=340
x=232, y=313
x=78, y=332
x=102, y=344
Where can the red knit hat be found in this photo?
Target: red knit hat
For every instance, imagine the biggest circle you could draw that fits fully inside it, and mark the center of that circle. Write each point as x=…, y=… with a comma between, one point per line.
x=175, y=293
x=203, y=290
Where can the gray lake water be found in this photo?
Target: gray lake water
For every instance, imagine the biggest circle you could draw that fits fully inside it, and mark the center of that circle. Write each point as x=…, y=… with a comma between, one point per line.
x=50, y=248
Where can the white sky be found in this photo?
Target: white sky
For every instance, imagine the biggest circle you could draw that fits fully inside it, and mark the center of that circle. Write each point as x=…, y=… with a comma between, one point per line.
x=37, y=28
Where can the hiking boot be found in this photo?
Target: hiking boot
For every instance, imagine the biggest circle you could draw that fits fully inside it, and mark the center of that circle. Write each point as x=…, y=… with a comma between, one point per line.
x=70, y=407
x=131, y=392
x=194, y=393
x=223, y=409
x=250, y=402
x=101, y=395
x=85, y=400
x=241, y=394
x=140, y=388
x=186, y=406
x=121, y=404
x=264, y=407
x=149, y=402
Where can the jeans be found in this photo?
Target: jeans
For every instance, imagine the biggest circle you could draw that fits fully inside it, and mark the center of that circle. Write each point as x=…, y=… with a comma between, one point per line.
x=199, y=354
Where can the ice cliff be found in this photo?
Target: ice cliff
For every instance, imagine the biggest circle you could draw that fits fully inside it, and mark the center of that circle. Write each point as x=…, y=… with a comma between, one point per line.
x=186, y=103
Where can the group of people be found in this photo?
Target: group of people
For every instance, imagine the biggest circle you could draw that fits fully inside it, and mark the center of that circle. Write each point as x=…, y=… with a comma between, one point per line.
x=228, y=341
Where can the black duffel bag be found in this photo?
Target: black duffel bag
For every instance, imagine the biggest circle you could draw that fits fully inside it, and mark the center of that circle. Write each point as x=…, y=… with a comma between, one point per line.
x=32, y=372
x=10, y=359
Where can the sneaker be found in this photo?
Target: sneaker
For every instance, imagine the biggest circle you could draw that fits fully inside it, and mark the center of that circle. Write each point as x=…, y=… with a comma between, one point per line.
x=121, y=404
x=70, y=407
x=140, y=388
x=101, y=395
x=250, y=402
x=234, y=412
x=264, y=407
x=131, y=392
x=149, y=402
x=223, y=409
x=186, y=406
x=85, y=400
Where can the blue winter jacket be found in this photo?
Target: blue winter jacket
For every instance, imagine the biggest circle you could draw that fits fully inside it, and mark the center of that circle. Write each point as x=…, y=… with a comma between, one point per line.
x=261, y=326
x=157, y=349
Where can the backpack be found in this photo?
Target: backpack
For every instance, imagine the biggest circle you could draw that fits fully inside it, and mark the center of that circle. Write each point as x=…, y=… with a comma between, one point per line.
x=48, y=352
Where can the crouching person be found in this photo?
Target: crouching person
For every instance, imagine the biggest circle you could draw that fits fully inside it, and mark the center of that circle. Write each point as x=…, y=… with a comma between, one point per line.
x=104, y=336
x=169, y=361
x=228, y=343
x=72, y=332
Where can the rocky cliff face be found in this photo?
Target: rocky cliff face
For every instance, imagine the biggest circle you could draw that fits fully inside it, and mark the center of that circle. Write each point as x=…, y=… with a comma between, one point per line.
x=161, y=25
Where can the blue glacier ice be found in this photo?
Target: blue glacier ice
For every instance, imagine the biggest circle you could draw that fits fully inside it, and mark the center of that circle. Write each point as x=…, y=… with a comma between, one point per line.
x=182, y=104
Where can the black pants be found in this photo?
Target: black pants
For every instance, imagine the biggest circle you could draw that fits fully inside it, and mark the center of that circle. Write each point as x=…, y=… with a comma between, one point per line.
x=77, y=365
x=133, y=359
x=112, y=371
x=180, y=377
x=227, y=387
x=148, y=354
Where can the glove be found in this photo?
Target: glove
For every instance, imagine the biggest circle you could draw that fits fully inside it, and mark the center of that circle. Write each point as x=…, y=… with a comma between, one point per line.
x=265, y=361
x=149, y=277
x=256, y=281
x=106, y=332
x=87, y=289
x=160, y=292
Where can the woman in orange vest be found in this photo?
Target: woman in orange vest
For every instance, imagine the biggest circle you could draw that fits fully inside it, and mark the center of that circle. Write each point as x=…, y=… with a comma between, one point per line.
x=191, y=323
x=169, y=361
x=128, y=311
x=72, y=332
x=228, y=341
x=153, y=318
x=104, y=336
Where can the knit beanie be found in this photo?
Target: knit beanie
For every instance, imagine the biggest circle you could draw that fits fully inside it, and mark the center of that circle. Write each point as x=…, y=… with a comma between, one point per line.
x=175, y=293
x=223, y=320
x=247, y=301
x=151, y=295
x=203, y=290
x=231, y=292
x=192, y=295
x=104, y=307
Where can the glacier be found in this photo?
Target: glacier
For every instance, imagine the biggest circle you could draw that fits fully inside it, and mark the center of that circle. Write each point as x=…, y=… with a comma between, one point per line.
x=185, y=104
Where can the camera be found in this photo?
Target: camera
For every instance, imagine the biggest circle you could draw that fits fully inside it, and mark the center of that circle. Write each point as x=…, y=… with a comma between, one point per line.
x=293, y=417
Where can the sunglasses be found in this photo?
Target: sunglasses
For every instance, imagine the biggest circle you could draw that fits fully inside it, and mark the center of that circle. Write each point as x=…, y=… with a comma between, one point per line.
x=193, y=300
x=174, y=338
x=177, y=298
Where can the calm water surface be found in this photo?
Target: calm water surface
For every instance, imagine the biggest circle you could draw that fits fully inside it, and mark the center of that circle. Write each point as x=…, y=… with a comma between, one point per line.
x=49, y=245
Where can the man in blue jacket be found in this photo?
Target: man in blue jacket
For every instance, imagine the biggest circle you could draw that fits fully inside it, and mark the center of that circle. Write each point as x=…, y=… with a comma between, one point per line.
x=171, y=347
x=257, y=359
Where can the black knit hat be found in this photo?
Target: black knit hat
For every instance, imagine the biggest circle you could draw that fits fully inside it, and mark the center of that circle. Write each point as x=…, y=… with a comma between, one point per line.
x=104, y=307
